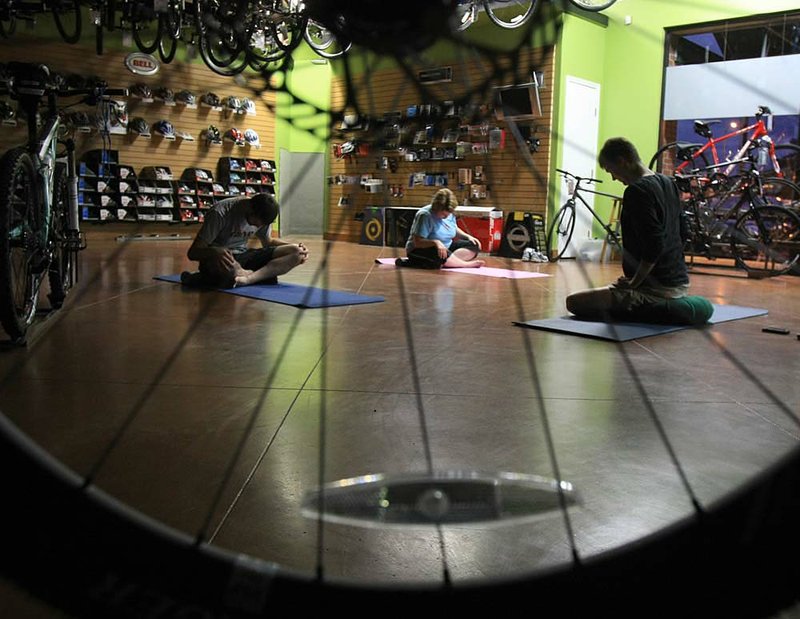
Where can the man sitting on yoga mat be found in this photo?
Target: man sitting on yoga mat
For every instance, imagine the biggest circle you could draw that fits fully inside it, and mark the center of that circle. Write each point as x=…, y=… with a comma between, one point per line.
x=436, y=241
x=655, y=282
x=221, y=245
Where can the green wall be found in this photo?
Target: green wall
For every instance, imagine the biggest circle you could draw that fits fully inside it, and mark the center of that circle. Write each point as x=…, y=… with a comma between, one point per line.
x=628, y=62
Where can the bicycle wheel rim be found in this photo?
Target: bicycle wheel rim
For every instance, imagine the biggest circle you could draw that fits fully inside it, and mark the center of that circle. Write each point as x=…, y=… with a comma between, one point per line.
x=20, y=242
x=765, y=241
x=510, y=14
x=593, y=5
x=67, y=16
x=560, y=231
x=780, y=192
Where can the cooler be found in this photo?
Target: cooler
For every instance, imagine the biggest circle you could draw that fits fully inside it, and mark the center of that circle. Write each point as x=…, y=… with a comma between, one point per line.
x=485, y=223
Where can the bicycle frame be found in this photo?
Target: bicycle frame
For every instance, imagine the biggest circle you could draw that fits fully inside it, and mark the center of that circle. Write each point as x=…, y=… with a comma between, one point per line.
x=575, y=193
x=759, y=130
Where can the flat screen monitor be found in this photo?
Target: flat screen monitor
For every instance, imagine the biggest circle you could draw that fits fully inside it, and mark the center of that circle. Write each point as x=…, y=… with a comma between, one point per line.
x=517, y=103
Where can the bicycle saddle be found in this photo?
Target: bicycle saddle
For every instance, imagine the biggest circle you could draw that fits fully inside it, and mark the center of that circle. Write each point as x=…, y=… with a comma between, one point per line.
x=703, y=128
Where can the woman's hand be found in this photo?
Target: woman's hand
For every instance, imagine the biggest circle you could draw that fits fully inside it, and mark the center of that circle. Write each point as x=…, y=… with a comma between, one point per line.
x=441, y=249
x=472, y=239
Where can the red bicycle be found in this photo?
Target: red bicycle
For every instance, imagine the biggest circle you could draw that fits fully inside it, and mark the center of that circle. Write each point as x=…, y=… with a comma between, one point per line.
x=676, y=157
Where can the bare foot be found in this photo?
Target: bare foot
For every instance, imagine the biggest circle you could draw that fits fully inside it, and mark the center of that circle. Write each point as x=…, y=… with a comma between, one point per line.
x=243, y=279
x=477, y=263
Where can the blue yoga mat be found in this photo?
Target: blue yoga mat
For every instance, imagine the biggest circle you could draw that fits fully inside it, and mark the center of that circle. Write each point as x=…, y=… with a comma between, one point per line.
x=625, y=331
x=291, y=294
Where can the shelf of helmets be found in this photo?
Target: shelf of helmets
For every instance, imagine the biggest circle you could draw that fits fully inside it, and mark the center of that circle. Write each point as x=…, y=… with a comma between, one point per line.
x=196, y=192
x=107, y=190
x=246, y=175
x=156, y=197
x=232, y=108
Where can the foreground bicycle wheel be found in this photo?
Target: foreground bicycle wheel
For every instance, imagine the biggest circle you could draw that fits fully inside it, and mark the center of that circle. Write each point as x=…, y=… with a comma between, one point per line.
x=560, y=232
x=765, y=241
x=21, y=248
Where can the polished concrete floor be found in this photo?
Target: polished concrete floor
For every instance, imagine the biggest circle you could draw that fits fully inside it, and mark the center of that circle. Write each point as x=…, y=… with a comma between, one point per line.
x=156, y=391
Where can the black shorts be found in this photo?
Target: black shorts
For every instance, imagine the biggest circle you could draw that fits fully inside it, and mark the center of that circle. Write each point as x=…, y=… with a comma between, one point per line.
x=254, y=259
x=250, y=259
x=428, y=257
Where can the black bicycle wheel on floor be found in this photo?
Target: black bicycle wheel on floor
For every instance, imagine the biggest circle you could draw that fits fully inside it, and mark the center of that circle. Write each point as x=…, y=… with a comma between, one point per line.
x=765, y=241
x=560, y=231
x=62, y=265
x=67, y=16
x=510, y=13
x=21, y=245
x=672, y=154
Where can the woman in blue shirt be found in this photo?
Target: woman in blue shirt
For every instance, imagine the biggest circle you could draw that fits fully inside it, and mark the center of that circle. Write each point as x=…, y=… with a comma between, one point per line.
x=436, y=241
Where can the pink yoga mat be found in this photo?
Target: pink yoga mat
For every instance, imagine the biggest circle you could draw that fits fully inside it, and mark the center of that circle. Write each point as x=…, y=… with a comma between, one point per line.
x=485, y=271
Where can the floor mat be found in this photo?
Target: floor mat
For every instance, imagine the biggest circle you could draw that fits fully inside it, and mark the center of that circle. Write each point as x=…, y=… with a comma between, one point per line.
x=291, y=294
x=485, y=271
x=625, y=331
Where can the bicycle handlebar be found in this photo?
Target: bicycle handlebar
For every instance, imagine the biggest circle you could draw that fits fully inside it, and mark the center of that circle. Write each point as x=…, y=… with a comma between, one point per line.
x=578, y=178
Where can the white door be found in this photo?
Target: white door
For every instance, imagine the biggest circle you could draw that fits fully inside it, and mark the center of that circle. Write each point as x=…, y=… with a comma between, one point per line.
x=581, y=120
x=302, y=185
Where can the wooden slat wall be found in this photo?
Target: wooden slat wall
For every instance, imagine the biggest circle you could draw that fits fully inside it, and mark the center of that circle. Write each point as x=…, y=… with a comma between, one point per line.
x=137, y=151
x=517, y=181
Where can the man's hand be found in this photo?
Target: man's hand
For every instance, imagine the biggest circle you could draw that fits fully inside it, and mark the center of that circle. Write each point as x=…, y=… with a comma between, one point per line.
x=224, y=260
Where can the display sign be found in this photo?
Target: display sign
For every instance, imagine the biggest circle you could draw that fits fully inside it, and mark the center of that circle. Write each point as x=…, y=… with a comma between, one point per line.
x=433, y=76
x=142, y=64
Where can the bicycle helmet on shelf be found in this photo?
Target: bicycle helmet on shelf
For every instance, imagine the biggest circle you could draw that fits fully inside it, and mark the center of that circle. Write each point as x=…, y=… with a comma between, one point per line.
x=233, y=164
x=187, y=199
x=234, y=135
x=248, y=106
x=212, y=134
x=233, y=177
x=233, y=104
x=139, y=125
x=250, y=165
x=251, y=137
x=118, y=114
x=233, y=190
x=165, y=128
x=210, y=99
x=186, y=97
x=142, y=91
x=165, y=94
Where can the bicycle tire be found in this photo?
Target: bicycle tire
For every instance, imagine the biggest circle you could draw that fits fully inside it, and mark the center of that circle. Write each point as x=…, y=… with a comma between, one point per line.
x=765, y=241
x=563, y=225
x=62, y=266
x=21, y=247
x=526, y=10
x=594, y=6
x=71, y=33
x=672, y=147
x=232, y=65
x=323, y=41
x=171, y=23
x=167, y=56
x=788, y=156
x=140, y=31
x=777, y=191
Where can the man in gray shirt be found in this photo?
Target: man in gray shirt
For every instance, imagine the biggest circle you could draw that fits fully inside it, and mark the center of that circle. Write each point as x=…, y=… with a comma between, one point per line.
x=221, y=245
